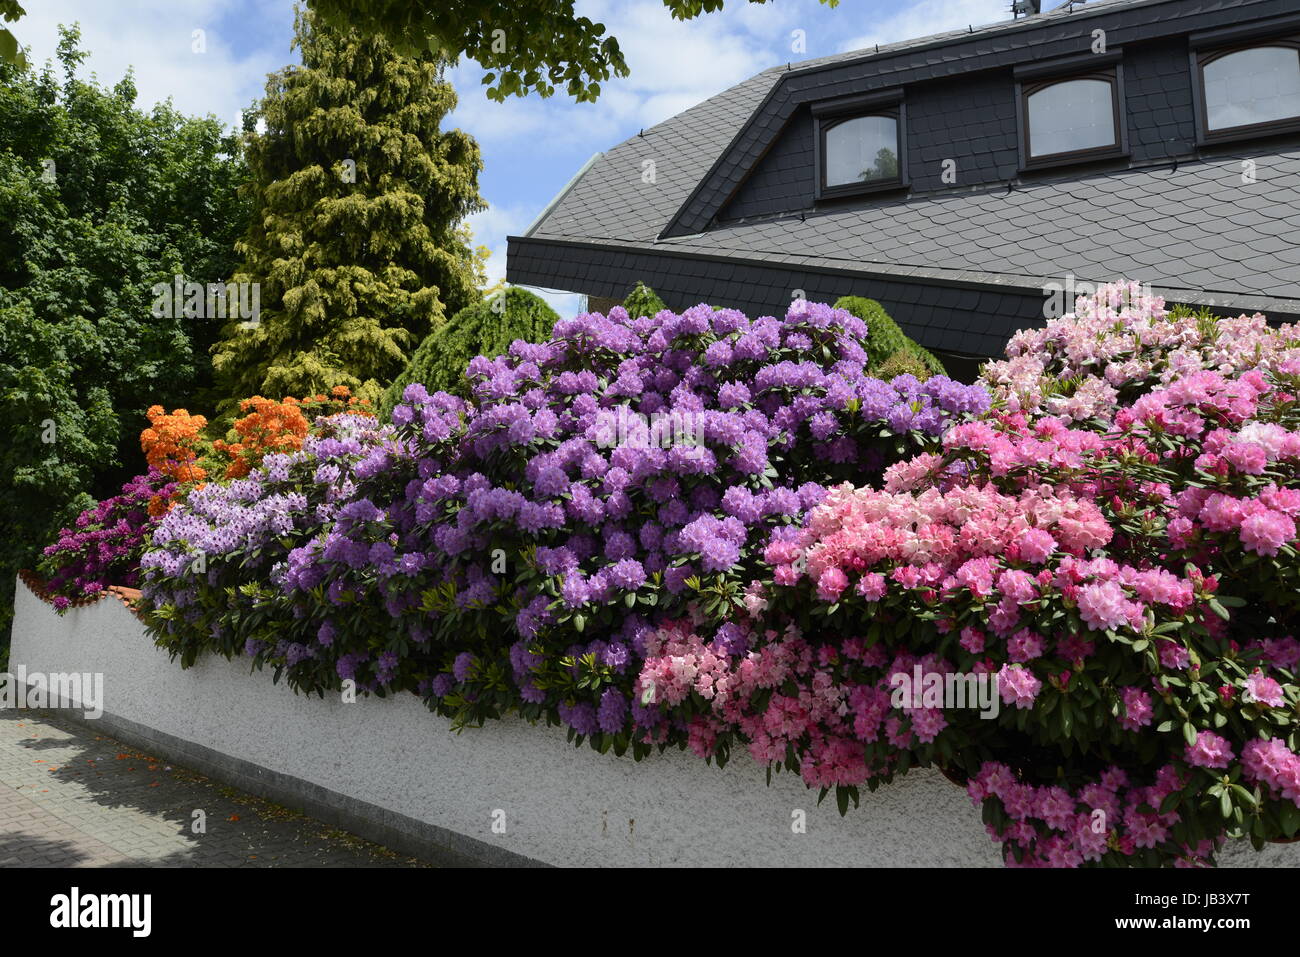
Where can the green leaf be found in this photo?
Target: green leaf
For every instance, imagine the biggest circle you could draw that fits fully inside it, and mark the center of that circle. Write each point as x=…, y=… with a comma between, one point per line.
x=10, y=50
x=1290, y=818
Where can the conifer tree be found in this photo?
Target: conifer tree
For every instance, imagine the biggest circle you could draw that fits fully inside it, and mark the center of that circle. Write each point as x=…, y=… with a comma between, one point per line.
x=643, y=301
x=357, y=239
x=483, y=329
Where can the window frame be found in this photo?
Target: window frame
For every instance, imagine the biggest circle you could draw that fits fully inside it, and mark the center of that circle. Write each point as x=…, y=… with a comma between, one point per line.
x=830, y=114
x=1027, y=86
x=1200, y=57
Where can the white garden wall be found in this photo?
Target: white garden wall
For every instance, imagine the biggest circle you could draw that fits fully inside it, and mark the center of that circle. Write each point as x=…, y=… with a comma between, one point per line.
x=390, y=770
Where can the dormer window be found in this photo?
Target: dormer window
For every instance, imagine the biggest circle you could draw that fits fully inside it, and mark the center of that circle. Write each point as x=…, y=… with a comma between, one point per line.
x=1071, y=119
x=862, y=149
x=860, y=145
x=1250, y=91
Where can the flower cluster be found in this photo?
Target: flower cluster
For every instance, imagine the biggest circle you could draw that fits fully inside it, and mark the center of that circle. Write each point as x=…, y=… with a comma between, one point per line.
x=206, y=578
x=623, y=471
x=169, y=443
x=1094, y=657
x=280, y=427
x=269, y=427
x=105, y=544
x=1129, y=574
x=1108, y=817
x=655, y=531
x=1121, y=342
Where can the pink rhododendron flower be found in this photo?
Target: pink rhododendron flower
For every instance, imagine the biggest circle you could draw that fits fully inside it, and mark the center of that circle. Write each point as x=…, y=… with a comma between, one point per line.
x=1209, y=751
x=1104, y=605
x=1265, y=531
x=831, y=583
x=1136, y=711
x=1018, y=686
x=1262, y=689
x=1036, y=545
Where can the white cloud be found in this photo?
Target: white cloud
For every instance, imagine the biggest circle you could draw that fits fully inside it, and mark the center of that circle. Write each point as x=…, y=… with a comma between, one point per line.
x=156, y=38
x=926, y=17
x=491, y=227
x=673, y=65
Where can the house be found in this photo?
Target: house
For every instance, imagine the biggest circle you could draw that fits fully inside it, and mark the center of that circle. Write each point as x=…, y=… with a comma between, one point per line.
x=964, y=179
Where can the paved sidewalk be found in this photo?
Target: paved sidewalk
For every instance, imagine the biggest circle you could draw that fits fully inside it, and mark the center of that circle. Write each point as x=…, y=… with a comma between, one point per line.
x=70, y=797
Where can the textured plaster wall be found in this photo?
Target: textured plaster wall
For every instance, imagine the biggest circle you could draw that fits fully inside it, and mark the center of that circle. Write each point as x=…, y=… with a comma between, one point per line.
x=561, y=805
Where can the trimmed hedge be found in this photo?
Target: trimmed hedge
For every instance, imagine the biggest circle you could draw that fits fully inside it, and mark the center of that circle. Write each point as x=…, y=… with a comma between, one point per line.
x=483, y=329
x=884, y=338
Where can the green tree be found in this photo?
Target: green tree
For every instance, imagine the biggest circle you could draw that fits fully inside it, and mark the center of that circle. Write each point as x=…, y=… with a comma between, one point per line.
x=642, y=301
x=356, y=241
x=484, y=329
x=99, y=201
x=528, y=46
x=10, y=51
x=884, y=338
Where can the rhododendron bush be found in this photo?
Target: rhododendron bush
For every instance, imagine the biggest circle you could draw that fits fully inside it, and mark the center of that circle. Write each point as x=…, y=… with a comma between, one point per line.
x=1130, y=577
x=217, y=549
x=512, y=552
x=1121, y=342
x=1073, y=585
x=105, y=544
x=108, y=540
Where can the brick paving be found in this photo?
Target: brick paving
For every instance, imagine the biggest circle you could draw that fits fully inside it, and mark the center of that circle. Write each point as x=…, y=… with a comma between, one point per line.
x=70, y=797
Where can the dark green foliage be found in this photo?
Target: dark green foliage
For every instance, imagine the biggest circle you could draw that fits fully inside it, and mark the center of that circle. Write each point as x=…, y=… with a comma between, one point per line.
x=99, y=201
x=884, y=338
x=10, y=50
x=357, y=237
x=529, y=46
x=642, y=301
x=1180, y=311
x=484, y=329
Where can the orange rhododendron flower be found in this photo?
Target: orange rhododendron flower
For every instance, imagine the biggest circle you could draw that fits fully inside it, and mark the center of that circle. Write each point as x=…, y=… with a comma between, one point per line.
x=168, y=443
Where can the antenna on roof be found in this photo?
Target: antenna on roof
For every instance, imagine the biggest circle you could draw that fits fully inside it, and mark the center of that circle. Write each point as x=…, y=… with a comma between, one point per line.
x=1025, y=8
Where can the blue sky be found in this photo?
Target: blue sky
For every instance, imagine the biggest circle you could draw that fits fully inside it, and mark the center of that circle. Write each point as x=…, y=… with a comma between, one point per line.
x=532, y=146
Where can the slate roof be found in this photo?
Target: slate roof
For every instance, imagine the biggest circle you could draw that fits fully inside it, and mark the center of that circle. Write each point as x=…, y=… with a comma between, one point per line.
x=1192, y=230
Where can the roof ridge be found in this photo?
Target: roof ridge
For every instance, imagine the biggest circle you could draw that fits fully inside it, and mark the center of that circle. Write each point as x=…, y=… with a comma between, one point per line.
x=943, y=38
